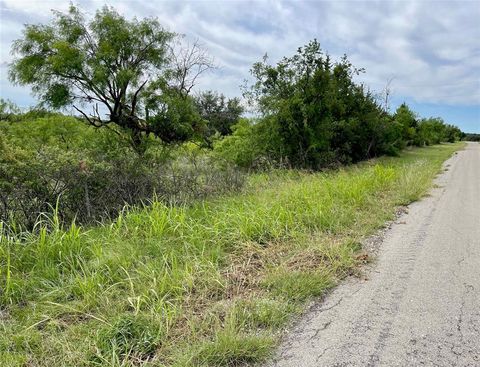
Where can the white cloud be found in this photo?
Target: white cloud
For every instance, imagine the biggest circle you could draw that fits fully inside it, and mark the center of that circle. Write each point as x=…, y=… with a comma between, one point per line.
x=431, y=48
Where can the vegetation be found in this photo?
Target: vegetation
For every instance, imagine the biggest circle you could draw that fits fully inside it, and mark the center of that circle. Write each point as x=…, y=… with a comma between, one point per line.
x=200, y=285
x=90, y=175
x=168, y=229
x=472, y=137
x=126, y=67
x=320, y=115
x=220, y=114
x=313, y=115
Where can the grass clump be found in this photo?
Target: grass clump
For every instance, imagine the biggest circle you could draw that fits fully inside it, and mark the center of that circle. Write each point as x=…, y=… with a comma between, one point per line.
x=298, y=285
x=262, y=313
x=130, y=338
x=209, y=284
x=232, y=349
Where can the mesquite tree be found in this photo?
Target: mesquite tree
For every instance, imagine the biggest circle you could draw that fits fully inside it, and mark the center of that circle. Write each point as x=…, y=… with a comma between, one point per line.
x=131, y=73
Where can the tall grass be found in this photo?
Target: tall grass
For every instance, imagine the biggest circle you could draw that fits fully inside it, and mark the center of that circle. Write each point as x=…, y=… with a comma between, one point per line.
x=208, y=284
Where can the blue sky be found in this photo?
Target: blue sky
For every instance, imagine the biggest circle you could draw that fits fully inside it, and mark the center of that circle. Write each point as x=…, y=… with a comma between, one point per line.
x=430, y=50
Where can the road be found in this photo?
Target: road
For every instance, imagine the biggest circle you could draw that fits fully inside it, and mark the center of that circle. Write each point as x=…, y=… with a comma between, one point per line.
x=420, y=302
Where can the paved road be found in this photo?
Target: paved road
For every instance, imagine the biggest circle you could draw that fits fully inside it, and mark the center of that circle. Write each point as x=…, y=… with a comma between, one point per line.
x=421, y=303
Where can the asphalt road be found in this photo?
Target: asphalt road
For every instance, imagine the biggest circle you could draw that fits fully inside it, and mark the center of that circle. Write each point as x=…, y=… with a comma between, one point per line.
x=420, y=302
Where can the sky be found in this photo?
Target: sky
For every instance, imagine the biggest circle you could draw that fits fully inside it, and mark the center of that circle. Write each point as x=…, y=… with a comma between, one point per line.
x=428, y=52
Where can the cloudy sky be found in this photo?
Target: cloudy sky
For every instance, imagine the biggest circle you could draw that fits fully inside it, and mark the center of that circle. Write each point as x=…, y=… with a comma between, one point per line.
x=429, y=50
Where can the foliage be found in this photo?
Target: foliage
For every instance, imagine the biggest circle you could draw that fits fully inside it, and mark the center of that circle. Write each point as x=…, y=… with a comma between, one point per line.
x=8, y=109
x=252, y=144
x=189, y=279
x=407, y=122
x=128, y=70
x=219, y=114
x=321, y=115
x=471, y=137
x=209, y=284
x=434, y=131
x=314, y=115
x=93, y=174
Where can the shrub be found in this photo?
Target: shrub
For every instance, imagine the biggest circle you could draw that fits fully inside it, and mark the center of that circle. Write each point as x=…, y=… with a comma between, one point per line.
x=254, y=143
x=94, y=175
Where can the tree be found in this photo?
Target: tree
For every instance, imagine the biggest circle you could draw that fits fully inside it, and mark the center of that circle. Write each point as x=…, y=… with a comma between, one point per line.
x=323, y=116
x=407, y=119
x=219, y=113
x=113, y=70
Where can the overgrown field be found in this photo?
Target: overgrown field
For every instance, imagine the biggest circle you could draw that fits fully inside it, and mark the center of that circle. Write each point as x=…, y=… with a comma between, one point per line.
x=210, y=284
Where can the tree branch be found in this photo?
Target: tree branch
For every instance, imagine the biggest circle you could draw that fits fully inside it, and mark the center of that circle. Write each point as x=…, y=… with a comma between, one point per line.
x=134, y=100
x=90, y=121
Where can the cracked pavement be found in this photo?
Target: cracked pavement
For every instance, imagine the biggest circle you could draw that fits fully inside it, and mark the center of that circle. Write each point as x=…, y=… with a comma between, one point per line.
x=420, y=302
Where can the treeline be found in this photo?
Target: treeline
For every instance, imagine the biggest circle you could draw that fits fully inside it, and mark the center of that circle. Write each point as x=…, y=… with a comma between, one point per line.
x=314, y=115
x=157, y=137
x=471, y=137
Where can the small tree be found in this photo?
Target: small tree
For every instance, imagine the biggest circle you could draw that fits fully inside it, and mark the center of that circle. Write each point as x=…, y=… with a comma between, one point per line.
x=113, y=70
x=219, y=114
x=407, y=119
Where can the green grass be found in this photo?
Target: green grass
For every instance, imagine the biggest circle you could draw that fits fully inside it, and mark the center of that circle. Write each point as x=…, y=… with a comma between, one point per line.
x=206, y=285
